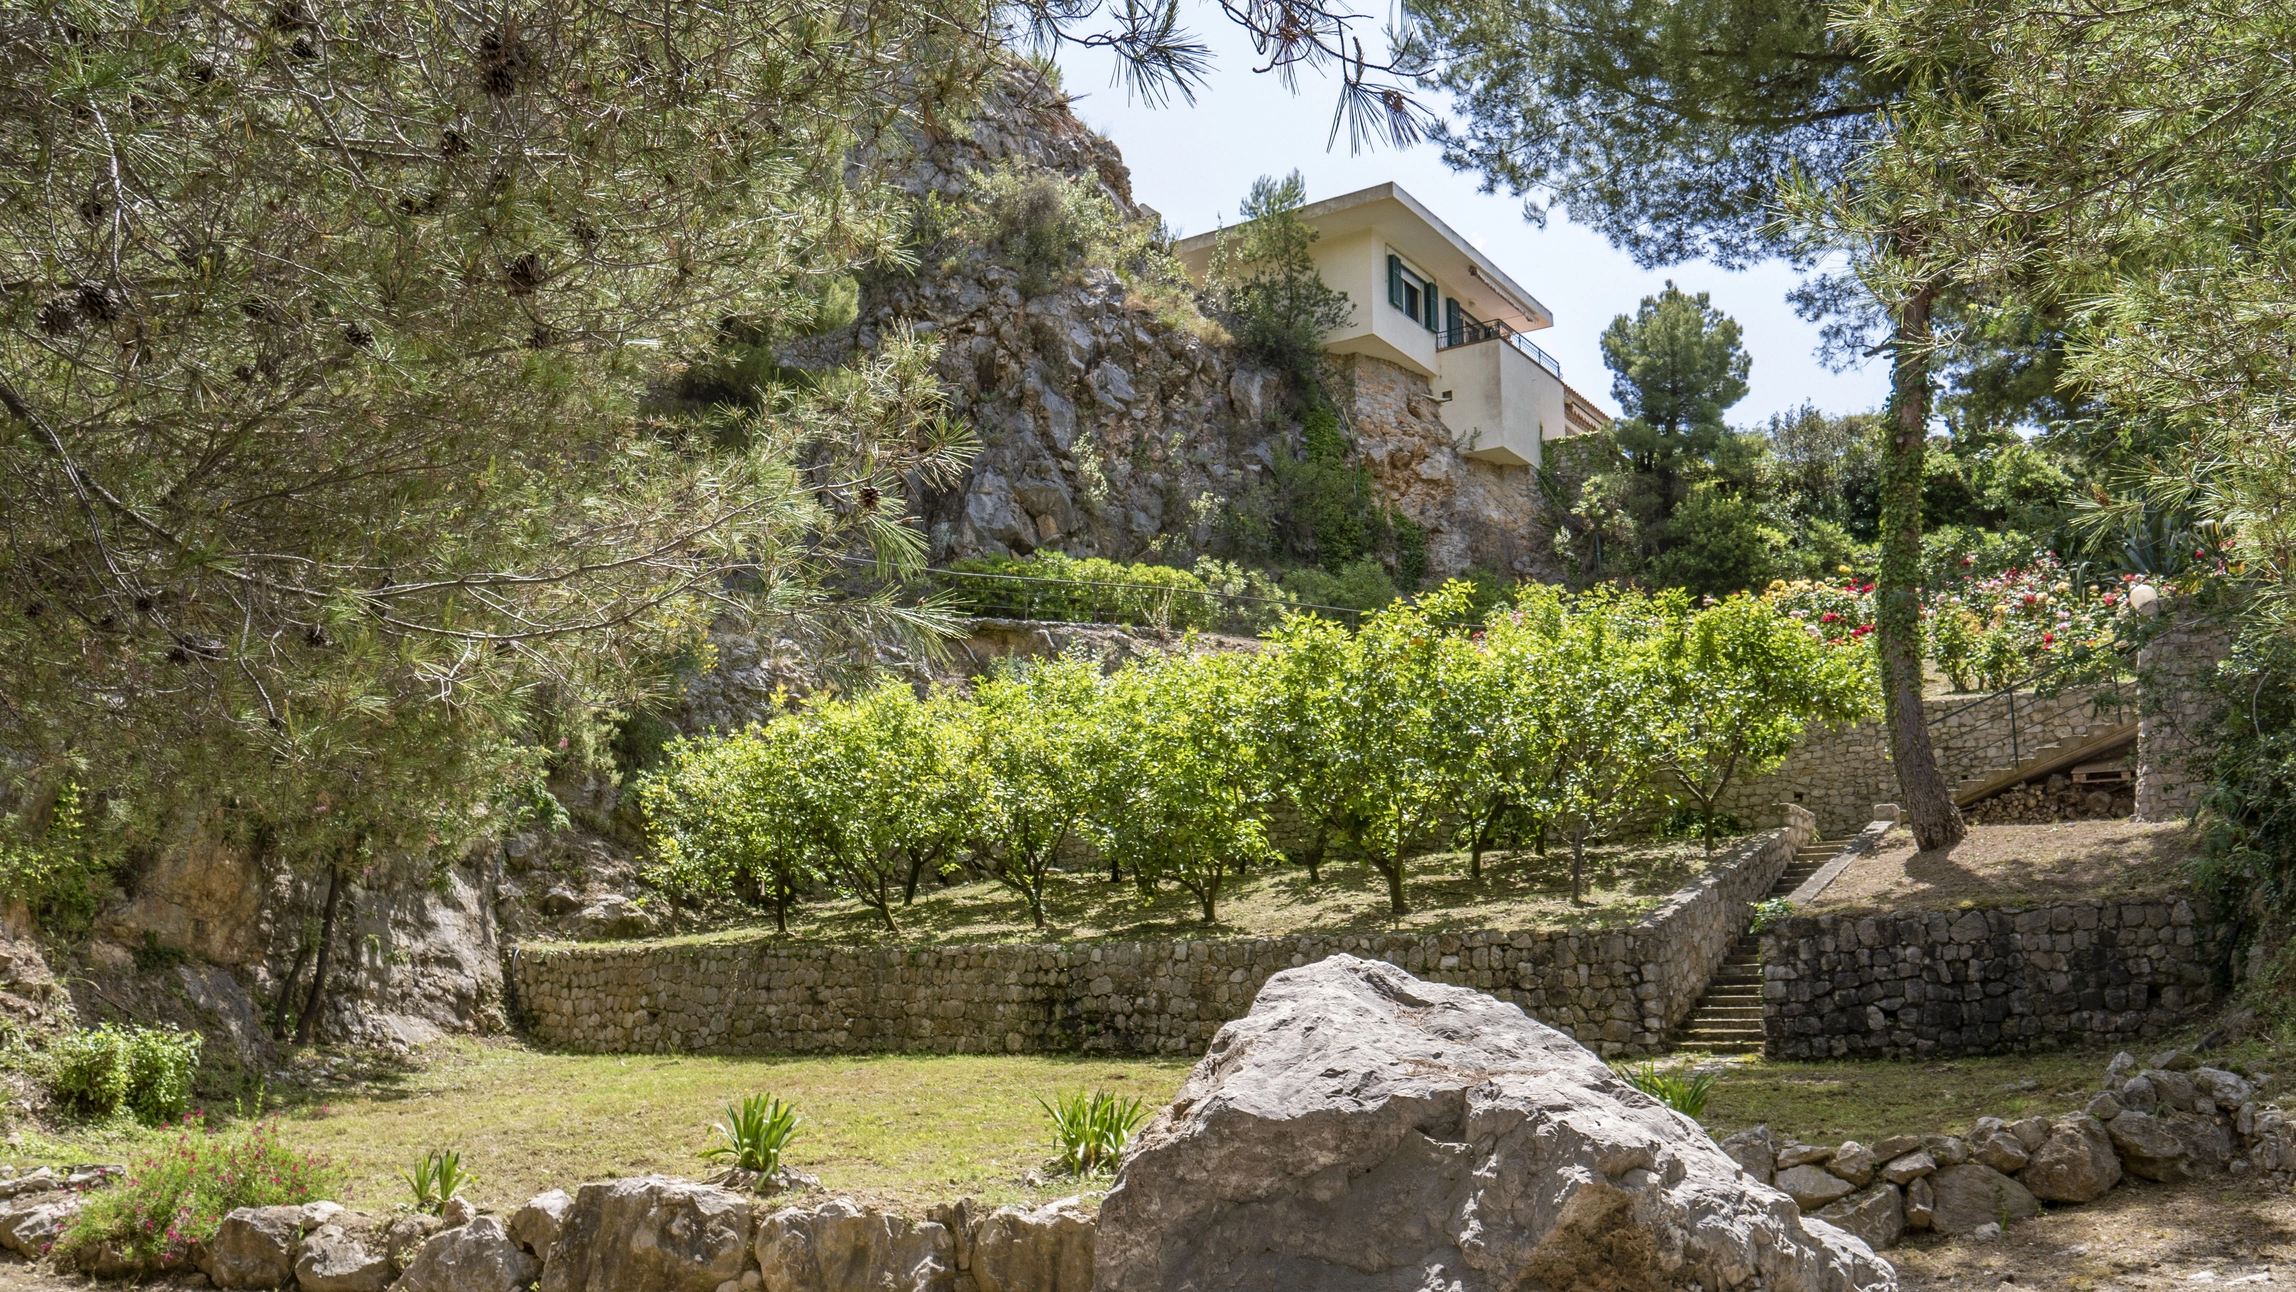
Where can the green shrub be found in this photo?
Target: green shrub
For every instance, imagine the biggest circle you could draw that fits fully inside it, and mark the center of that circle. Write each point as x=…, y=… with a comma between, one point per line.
x=57, y=869
x=755, y=1133
x=1684, y=1092
x=1361, y=585
x=175, y=1196
x=1051, y=585
x=99, y=1071
x=1769, y=912
x=436, y=1179
x=1091, y=1130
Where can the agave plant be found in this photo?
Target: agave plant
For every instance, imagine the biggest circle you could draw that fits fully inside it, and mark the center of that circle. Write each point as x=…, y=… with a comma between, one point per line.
x=437, y=1179
x=1091, y=1130
x=1684, y=1092
x=753, y=1135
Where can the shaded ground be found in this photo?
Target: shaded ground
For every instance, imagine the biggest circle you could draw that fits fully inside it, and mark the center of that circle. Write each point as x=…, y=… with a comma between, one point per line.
x=1518, y=890
x=2006, y=865
x=2192, y=1237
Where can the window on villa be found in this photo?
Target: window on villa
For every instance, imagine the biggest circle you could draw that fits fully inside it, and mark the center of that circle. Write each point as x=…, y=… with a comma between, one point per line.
x=1411, y=292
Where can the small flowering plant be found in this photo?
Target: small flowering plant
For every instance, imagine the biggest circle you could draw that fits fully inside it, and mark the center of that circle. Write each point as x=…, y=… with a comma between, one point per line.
x=176, y=1196
x=1990, y=631
x=1836, y=611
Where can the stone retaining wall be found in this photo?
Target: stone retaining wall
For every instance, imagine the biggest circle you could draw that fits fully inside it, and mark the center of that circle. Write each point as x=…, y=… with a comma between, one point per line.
x=1986, y=981
x=1840, y=772
x=1616, y=990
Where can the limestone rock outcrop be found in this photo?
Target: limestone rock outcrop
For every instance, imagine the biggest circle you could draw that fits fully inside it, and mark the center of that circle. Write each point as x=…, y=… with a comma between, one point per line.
x=840, y=1245
x=649, y=1234
x=1363, y=1129
x=477, y=1257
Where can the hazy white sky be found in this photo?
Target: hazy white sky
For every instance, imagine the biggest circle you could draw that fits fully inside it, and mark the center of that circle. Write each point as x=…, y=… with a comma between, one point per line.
x=1194, y=165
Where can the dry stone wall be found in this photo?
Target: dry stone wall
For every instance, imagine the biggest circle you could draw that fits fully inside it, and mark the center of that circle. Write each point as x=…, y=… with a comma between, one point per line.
x=1900, y=985
x=1840, y=772
x=1616, y=990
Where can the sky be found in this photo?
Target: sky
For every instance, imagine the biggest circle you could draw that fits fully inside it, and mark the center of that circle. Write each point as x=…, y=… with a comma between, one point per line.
x=1194, y=164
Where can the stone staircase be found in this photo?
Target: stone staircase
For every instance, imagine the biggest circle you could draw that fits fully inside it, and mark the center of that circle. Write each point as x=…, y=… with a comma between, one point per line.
x=2053, y=757
x=1728, y=1019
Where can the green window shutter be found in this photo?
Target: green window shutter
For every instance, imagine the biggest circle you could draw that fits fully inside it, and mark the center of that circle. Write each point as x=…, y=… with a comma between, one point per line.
x=1430, y=319
x=1453, y=332
x=1395, y=281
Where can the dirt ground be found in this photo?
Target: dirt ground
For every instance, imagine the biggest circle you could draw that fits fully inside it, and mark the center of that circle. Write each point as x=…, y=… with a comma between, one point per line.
x=2195, y=1237
x=2017, y=864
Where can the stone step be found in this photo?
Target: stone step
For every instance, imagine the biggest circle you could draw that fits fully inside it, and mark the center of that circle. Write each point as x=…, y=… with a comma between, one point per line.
x=1713, y=1011
x=1740, y=1041
x=1733, y=1029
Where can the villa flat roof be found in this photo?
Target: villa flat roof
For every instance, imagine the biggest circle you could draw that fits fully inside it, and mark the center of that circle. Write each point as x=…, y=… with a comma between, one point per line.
x=1436, y=246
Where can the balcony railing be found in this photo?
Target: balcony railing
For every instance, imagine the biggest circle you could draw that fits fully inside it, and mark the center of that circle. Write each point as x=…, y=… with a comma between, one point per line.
x=1469, y=331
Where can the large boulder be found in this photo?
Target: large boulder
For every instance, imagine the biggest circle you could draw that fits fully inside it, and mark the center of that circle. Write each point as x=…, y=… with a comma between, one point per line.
x=1361, y=1129
x=477, y=1257
x=1045, y=1249
x=1974, y=1194
x=254, y=1247
x=2149, y=1149
x=2076, y=1163
x=838, y=1246
x=650, y=1234
x=2207, y=1140
x=334, y=1260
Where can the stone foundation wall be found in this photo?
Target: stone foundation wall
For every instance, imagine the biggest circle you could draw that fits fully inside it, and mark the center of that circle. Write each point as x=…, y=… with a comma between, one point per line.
x=1985, y=981
x=1616, y=990
x=1839, y=773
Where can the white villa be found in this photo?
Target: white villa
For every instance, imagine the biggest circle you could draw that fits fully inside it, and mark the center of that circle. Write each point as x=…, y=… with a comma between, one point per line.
x=1430, y=303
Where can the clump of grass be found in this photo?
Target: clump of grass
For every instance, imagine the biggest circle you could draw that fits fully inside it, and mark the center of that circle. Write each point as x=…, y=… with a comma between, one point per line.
x=754, y=1134
x=1684, y=1092
x=436, y=1179
x=174, y=1198
x=1091, y=1130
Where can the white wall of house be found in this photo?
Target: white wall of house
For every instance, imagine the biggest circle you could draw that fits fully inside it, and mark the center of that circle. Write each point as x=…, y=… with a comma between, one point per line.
x=1501, y=404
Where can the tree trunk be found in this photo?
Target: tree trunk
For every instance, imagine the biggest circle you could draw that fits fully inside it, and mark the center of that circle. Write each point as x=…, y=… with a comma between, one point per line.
x=286, y=1003
x=308, y=1027
x=1483, y=840
x=1928, y=801
x=781, y=896
x=1315, y=854
x=917, y=859
x=1394, y=872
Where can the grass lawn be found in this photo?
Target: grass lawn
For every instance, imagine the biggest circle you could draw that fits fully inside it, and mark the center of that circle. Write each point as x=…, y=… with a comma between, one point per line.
x=1519, y=889
x=2017, y=865
x=892, y=1129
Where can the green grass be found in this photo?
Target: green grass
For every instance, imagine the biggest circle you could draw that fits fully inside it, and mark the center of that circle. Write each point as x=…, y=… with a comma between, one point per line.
x=907, y=1130
x=1518, y=890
